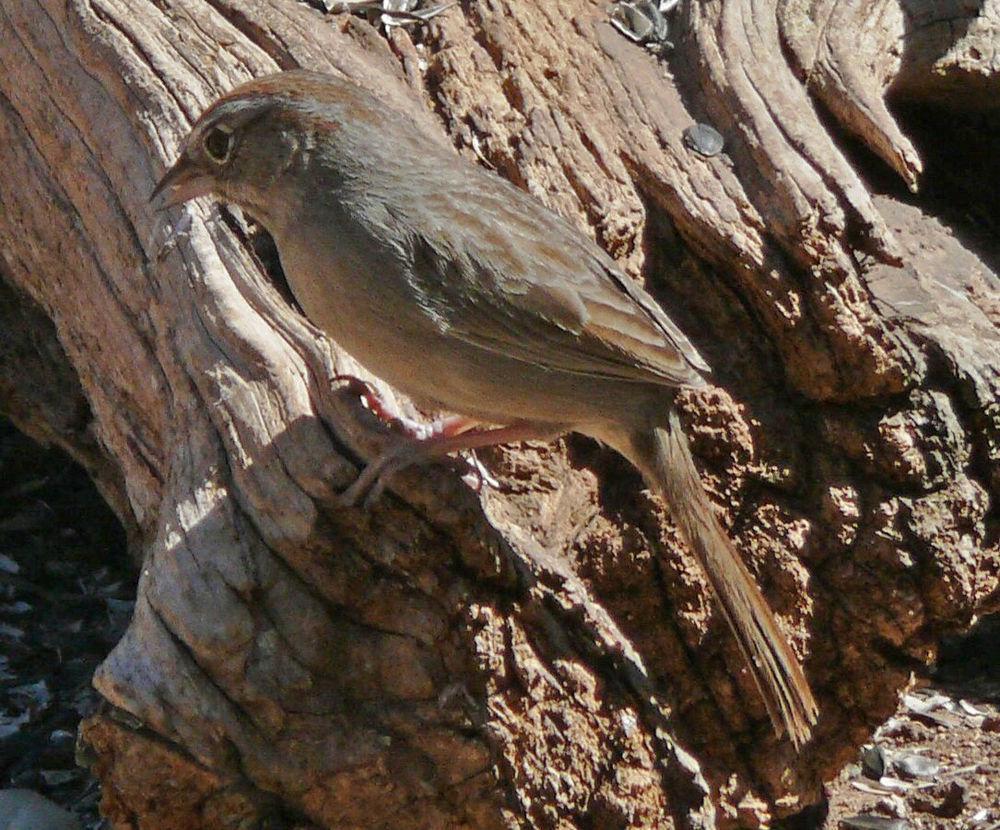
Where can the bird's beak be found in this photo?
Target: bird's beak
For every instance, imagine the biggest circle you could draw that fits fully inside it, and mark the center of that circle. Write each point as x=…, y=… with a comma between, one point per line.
x=180, y=183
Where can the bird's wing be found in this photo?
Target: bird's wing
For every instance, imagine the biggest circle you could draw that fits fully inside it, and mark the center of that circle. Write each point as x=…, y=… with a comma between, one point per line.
x=555, y=300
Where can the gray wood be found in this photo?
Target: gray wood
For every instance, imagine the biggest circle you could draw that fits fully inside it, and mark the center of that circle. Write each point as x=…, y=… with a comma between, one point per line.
x=542, y=653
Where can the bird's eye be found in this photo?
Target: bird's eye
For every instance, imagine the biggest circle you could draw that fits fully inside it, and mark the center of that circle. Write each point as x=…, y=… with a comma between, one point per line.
x=218, y=143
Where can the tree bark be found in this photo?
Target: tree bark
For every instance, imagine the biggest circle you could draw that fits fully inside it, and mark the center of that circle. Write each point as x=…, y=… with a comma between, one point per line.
x=539, y=651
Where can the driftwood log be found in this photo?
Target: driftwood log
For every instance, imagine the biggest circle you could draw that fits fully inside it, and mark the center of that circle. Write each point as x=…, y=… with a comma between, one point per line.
x=539, y=651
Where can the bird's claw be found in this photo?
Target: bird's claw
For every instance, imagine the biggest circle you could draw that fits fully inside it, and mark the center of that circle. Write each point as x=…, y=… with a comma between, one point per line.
x=368, y=487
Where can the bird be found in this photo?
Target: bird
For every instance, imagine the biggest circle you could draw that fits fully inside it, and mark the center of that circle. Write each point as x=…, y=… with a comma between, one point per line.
x=468, y=295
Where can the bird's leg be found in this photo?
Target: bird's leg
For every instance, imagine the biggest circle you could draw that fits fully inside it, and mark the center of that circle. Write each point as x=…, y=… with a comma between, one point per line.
x=385, y=412
x=389, y=414
x=454, y=435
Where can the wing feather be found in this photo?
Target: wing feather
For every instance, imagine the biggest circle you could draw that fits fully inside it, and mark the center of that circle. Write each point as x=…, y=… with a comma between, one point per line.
x=588, y=327
x=514, y=278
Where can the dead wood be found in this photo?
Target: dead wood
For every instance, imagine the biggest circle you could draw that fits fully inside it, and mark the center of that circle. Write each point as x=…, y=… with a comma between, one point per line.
x=541, y=653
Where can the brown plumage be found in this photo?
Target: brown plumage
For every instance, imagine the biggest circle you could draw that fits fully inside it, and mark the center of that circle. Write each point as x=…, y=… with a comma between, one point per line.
x=467, y=294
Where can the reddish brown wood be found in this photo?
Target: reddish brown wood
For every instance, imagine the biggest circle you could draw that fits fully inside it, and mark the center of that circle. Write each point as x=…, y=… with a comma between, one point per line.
x=543, y=653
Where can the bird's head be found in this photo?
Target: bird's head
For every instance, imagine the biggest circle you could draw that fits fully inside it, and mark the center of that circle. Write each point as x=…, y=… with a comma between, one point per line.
x=244, y=144
x=233, y=152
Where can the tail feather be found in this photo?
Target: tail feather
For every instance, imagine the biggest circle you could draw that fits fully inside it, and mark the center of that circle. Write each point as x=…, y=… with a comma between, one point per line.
x=665, y=459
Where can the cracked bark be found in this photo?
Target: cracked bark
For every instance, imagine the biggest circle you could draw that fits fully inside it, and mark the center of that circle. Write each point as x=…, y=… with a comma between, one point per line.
x=542, y=654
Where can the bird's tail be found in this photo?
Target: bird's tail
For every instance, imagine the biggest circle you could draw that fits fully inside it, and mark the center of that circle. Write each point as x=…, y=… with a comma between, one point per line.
x=664, y=458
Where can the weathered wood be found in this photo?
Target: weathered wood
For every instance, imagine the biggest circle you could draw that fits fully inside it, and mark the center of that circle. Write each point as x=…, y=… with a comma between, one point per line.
x=540, y=653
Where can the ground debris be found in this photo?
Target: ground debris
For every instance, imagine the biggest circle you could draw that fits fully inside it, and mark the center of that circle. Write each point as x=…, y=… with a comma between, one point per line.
x=388, y=13
x=936, y=761
x=66, y=594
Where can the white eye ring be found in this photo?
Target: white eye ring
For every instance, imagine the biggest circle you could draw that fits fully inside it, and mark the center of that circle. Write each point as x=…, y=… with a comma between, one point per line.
x=218, y=143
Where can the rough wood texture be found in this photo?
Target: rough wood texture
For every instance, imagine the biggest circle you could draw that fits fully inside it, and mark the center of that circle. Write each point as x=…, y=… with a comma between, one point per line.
x=542, y=653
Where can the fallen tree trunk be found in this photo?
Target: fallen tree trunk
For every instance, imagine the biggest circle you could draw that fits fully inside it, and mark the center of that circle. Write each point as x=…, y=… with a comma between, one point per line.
x=539, y=652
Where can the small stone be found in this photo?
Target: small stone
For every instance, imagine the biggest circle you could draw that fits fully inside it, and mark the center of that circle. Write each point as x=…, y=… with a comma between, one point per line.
x=27, y=810
x=873, y=762
x=704, y=139
x=58, y=777
x=926, y=701
x=62, y=737
x=971, y=710
x=640, y=21
x=916, y=766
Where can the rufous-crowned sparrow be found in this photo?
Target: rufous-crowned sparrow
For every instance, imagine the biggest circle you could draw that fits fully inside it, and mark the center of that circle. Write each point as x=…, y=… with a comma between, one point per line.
x=467, y=294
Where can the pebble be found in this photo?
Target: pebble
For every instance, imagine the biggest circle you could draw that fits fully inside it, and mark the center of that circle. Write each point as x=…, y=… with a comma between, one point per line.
x=704, y=139
x=873, y=762
x=27, y=810
x=916, y=766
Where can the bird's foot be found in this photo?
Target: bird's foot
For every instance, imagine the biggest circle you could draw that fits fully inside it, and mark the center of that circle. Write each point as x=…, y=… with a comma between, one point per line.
x=421, y=443
x=368, y=486
x=451, y=435
x=387, y=412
